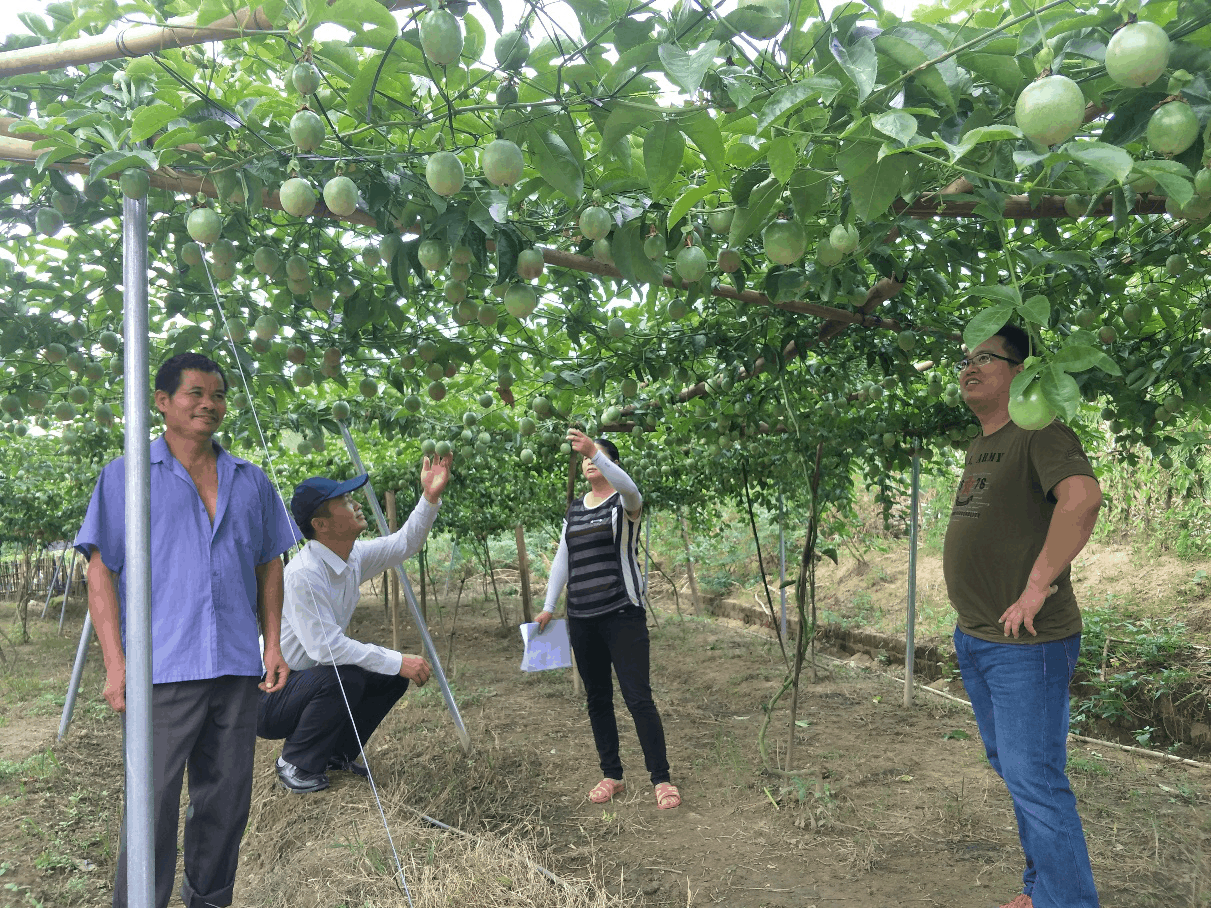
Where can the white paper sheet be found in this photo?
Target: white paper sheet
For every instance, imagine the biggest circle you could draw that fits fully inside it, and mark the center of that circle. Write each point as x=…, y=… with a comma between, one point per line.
x=547, y=650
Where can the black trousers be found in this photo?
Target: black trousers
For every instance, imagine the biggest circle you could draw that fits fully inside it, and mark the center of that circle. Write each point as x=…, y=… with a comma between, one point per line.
x=310, y=712
x=211, y=726
x=619, y=640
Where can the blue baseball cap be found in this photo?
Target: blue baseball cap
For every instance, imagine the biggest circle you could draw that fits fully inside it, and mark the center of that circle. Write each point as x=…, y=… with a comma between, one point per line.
x=311, y=493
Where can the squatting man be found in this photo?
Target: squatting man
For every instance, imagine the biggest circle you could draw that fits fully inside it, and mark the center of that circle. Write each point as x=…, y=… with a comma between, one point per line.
x=327, y=667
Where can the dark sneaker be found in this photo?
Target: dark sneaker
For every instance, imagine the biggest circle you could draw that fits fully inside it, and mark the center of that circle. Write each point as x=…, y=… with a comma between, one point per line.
x=340, y=764
x=299, y=780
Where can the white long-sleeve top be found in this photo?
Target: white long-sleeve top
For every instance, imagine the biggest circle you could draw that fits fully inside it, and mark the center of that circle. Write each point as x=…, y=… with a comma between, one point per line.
x=321, y=592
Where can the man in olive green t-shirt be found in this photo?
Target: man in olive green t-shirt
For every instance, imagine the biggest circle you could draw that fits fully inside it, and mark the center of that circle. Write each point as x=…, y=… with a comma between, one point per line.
x=1025, y=508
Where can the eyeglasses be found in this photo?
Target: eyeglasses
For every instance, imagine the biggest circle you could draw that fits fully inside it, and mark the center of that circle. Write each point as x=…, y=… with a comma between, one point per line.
x=982, y=359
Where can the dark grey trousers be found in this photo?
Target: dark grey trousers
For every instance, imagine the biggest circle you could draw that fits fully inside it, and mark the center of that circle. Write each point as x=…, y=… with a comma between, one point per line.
x=211, y=727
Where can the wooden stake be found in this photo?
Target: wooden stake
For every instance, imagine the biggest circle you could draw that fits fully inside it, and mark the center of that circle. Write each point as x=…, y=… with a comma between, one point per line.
x=523, y=567
x=391, y=586
x=689, y=566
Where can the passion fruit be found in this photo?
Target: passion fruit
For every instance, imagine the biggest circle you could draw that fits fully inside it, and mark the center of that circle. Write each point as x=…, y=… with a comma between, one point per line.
x=529, y=264
x=1050, y=110
x=340, y=195
x=305, y=78
x=691, y=263
x=441, y=37
x=444, y=173
x=297, y=197
x=307, y=130
x=512, y=49
x=1172, y=128
x=204, y=225
x=1137, y=54
x=502, y=162
x=784, y=242
x=520, y=301
x=595, y=222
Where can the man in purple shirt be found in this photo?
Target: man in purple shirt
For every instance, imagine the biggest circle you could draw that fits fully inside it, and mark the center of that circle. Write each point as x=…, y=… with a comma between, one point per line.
x=218, y=530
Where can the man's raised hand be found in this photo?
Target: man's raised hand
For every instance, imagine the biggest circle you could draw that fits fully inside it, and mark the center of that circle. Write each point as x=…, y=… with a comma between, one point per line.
x=434, y=474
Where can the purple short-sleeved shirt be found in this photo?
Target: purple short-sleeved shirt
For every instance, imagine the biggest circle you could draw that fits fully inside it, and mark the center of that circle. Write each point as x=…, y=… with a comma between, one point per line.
x=203, y=580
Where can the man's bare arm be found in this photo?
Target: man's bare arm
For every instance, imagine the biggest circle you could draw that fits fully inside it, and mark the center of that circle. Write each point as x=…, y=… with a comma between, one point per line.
x=107, y=622
x=269, y=612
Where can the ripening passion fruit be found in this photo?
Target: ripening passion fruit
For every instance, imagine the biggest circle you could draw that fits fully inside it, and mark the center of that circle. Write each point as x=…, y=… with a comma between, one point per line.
x=1050, y=110
x=433, y=254
x=441, y=37
x=595, y=223
x=529, y=264
x=297, y=197
x=502, y=162
x=1031, y=410
x=1172, y=128
x=520, y=300
x=1137, y=54
x=305, y=78
x=307, y=130
x=204, y=225
x=785, y=242
x=512, y=49
x=691, y=263
x=444, y=173
x=340, y=195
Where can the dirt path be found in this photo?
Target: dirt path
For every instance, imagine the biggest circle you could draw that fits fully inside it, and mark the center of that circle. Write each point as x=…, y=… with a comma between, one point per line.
x=896, y=806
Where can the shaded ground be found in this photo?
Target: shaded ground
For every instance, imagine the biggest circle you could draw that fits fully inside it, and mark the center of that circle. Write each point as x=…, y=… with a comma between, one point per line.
x=896, y=806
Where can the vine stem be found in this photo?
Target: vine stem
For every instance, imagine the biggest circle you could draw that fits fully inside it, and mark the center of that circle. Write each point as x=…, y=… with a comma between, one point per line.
x=942, y=58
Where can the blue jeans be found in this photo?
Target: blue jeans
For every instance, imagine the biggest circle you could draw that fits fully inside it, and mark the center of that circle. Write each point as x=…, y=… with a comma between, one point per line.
x=1019, y=692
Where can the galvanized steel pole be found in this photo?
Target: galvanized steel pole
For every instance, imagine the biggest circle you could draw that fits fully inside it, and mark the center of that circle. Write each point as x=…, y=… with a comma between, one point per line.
x=139, y=829
x=77, y=672
x=910, y=646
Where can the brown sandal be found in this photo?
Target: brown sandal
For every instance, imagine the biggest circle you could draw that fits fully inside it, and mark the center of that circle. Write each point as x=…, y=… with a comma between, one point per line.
x=667, y=796
x=605, y=790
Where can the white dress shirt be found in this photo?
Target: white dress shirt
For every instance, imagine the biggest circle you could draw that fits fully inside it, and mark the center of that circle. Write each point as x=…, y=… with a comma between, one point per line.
x=321, y=592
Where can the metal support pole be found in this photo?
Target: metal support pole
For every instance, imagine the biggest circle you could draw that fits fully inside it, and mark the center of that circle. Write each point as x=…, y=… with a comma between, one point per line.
x=66, y=589
x=50, y=589
x=139, y=824
x=426, y=640
x=782, y=559
x=910, y=645
x=77, y=672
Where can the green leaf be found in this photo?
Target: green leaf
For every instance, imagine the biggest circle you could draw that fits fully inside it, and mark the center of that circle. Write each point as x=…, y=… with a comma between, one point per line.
x=688, y=200
x=555, y=163
x=686, y=69
x=788, y=98
x=1001, y=70
x=1172, y=177
x=495, y=13
x=1079, y=357
x=663, y=150
x=982, y=134
x=1111, y=160
x=762, y=208
x=110, y=162
x=1022, y=380
x=354, y=14
x=986, y=323
x=701, y=129
x=860, y=63
x=1036, y=309
x=809, y=191
x=896, y=124
x=873, y=184
x=997, y=293
x=622, y=121
x=147, y=121
x=783, y=156
x=1061, y=390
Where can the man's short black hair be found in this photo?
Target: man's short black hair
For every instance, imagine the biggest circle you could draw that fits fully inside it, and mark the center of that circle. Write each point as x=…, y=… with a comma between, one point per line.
x=306, y=527
x=609, y=447
x=168, y=377
x=1016, y=342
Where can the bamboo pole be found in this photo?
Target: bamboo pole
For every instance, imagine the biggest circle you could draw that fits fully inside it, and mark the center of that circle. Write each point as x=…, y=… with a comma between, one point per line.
x=139, y=40
x=393, y=583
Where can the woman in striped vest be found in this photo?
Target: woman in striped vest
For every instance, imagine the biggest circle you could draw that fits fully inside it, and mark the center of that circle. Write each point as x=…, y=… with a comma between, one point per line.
x=598, y=562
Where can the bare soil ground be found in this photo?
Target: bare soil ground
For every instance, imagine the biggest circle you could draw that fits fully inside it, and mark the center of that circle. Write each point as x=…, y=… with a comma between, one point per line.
x=891, y=806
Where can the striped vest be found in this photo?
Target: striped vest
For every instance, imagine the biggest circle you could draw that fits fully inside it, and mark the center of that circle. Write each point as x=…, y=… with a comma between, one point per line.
x=603, y=563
